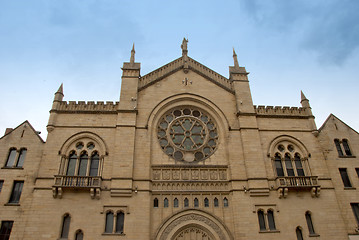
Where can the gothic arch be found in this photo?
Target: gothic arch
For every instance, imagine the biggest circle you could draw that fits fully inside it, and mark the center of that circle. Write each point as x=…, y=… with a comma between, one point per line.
x=198, y=222
x=84, y=135
x=286, y=138
x=187, y=99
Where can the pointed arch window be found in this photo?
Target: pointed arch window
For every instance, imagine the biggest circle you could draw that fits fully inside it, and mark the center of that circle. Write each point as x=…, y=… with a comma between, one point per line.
x=206, y=202
x=308, y=218
x=288, y=165
x=299, y=233
x=278, y=165
x=120, y=220
x=65, y=226
x=271, y=223
x=155, y=203
x=109, y=222
x=71, y=164
x=165, y=203
x=79, y=235
x=95, y=160
x=225, y=202
x=215, y=202
x=339, y=148
x=195, y=202
x=11, y=158
x=21, y=158
x=261, y=221
x=186, y=202
x=83, y=164
x=298, y=165
x=289, y=160
x=175, y=203
x=346, y=147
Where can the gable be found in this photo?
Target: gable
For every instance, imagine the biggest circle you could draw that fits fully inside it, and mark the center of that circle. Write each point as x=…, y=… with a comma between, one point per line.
x=24, y=130
x=185, y=64
x=333, y=122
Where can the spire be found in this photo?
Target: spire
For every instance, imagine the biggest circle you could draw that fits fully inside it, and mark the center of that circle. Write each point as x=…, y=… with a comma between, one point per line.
x=59, y=95
x=236, y=65
x=184, y=47
x=302, y=96
x=132, y=59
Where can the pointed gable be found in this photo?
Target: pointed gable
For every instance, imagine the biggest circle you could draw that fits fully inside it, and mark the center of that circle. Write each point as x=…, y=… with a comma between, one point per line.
x=21, y=129
x=185, y=63
x=329, y=121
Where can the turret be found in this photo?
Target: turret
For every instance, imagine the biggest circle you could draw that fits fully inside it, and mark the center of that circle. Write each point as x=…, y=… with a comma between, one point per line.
x=59, y=95
x=129, y=85
x=239, y=76
x=305, y=104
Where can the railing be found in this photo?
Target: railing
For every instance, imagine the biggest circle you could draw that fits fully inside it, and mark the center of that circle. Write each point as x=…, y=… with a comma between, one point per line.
x=305, y=183
x=297, y=182
x=77, y=181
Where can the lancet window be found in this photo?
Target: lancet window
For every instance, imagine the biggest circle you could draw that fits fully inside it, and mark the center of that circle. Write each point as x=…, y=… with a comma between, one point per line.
x=289, y=160
x=83, y=159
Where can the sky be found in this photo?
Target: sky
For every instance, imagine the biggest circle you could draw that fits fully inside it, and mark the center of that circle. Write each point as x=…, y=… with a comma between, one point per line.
x=287, y=46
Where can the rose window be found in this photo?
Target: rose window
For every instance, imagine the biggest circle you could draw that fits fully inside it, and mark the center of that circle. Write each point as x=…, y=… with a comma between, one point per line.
x=187, y=134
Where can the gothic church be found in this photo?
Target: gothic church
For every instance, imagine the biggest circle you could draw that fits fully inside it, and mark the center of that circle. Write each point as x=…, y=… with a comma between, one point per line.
x=184, y=155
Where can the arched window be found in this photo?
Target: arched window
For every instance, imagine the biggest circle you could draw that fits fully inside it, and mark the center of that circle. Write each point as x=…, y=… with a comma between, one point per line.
x=11, y=158
x=21, y=158
x=298, y=165
x=83, y=164
x=186, y=202
x=175, y=203
x=71, y=164
x=79, y=235
x=109, y=222
x=278, y=165
x=155, y=203
x=288, y=165
x=165, y=203
x=289, y=157
x=95, y=160
x=271, y=222
x=339, y=148
x=308, y=218
x=120, y=220
x=262, y=223
x=299, y=233
x=346, y=147
x=195, y=202
x=215, y=202
x=65, y=226
x=225, y=202
x=206, y=202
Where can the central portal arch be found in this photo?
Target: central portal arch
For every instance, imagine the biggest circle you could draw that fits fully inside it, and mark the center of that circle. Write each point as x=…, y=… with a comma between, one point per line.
x=193, y=224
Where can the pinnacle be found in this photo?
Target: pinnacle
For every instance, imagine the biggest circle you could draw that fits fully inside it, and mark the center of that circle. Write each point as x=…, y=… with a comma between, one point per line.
x=302, y=96
x=60, y=90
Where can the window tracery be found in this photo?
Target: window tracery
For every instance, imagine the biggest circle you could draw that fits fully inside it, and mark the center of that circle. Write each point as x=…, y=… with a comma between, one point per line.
x=187, y=134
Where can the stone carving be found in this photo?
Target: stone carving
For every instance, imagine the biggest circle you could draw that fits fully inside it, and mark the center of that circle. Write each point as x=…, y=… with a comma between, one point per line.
x=176, y=174
x=166, y=174
x=213, y=174
x=156, y=174
x=204, y=220
x=185, y=174
x=195, y=174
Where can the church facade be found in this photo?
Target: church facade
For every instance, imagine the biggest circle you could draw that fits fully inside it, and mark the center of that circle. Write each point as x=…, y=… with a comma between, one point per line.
x=183, y=155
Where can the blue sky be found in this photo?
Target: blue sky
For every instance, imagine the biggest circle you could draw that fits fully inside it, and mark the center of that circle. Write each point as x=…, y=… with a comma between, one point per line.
x=287, y=46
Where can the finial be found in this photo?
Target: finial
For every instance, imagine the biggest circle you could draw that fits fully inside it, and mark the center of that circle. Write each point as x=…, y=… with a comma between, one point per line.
x=132, y=59
x=236, y=64
x=184, y=46
x=60, y=90
x=302, y=96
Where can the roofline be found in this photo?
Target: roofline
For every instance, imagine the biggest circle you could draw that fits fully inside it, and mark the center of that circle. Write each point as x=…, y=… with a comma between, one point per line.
x=326, y=120
x=32, y=128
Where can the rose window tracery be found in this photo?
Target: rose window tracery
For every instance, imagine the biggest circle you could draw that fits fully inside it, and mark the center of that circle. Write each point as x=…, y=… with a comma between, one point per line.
x=187, y=134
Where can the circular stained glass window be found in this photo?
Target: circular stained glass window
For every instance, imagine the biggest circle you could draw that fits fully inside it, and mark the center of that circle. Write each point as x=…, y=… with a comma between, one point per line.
x=187, y=134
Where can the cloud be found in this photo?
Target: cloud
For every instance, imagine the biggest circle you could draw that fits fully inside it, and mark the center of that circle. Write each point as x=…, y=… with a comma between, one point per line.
x=330, y=29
